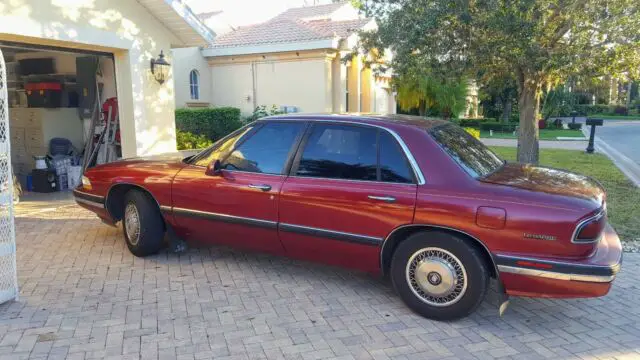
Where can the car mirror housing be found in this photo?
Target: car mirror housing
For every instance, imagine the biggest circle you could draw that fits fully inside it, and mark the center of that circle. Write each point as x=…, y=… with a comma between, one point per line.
x=214, y=168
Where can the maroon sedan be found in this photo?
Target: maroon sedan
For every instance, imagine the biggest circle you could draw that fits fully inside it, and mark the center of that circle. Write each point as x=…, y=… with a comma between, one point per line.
x=419, y=200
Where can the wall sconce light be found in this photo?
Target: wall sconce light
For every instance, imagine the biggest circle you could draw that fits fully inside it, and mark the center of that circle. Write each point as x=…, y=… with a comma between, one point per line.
x=160, y=68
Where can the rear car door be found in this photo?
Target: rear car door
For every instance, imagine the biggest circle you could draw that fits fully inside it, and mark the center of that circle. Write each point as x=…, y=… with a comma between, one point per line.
x=349, y=187
x=239, y=206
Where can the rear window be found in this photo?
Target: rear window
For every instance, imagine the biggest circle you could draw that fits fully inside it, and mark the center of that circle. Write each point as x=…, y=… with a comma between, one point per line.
x=472, y=155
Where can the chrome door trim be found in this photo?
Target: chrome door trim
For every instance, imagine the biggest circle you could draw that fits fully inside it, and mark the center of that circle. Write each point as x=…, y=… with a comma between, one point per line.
x=412, y=161
x=225, y=218
x=331, y=234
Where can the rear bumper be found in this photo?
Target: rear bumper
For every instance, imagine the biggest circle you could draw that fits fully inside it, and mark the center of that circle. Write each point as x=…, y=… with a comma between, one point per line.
x=544, y=277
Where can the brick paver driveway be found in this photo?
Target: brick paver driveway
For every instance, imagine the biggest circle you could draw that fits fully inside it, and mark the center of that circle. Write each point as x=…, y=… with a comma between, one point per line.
x=83, y=295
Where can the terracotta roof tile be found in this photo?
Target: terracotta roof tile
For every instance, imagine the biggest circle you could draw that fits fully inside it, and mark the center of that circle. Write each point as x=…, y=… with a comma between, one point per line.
x=310, y=11
x=284, y=30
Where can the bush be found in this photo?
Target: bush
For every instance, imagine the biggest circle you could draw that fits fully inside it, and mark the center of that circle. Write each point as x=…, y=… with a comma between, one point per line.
x=498, y=127
x=189, y=141
x=474, y=132
x=472, y=123
x=262, y=111
x=575, y=126
x=621, y=110
x=213, y=123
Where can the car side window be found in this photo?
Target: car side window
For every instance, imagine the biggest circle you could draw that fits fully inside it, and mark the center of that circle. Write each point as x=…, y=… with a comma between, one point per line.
x=340, y=152
x=267, y=150
x=220, y=149
x=394, y=166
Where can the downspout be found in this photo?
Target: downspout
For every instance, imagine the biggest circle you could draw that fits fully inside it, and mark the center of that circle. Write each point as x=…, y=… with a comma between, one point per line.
x=254, y=81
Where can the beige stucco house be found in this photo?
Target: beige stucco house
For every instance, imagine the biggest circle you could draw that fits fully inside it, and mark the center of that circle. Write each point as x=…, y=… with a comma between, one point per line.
x=293, y=61
x=125, y=35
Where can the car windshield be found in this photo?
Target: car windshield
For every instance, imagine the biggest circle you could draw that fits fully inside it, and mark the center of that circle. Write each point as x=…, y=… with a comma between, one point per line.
x=472, y=155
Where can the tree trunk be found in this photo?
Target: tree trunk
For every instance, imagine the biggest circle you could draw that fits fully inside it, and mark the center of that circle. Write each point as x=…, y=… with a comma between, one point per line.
x=528, y=134
x=422, y=108
x=507, y=104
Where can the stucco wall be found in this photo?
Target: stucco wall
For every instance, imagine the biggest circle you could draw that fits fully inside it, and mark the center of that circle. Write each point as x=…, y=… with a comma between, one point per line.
x=122, y=27
x=184, y=61
x=304, y=83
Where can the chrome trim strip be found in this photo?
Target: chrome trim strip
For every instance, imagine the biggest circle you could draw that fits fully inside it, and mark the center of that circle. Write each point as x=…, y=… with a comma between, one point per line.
x=555, y=275
x=412, y=161
x=166, y=208
x=226, y=218
x=331, y=234
x=613, y=268
x=88, y=196
x=582, y=223
x=90, y=203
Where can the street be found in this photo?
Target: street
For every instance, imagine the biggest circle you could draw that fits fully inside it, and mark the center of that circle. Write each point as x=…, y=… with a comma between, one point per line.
x=623, y=136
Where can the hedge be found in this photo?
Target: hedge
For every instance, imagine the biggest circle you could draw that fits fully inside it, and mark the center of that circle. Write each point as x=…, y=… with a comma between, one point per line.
x=498, y=127
x=586, y=110
x=214, y=123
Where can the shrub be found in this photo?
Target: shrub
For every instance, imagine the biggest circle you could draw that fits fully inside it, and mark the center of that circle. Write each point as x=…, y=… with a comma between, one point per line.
x=213, y=123
x=497, y=127
x=575, y=126
x=471, y=123
x=262, y=111
x=474, y=132
x=189, y=141
x=621, y=110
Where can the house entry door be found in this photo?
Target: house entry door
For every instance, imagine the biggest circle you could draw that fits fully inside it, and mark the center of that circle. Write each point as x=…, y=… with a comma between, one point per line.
x=8, y=279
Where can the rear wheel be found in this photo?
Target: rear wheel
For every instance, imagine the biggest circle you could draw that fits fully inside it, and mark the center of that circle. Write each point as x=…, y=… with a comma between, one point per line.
x=142, y=224
x=439, y=275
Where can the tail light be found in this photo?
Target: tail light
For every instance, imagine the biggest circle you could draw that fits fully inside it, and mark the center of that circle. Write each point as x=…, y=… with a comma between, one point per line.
x=591, y=229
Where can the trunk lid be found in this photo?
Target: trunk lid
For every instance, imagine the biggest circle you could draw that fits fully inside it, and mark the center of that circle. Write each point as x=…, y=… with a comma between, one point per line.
x=550, y=181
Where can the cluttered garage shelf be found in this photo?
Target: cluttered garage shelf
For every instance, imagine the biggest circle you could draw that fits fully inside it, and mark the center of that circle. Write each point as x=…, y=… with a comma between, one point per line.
x=63, y=113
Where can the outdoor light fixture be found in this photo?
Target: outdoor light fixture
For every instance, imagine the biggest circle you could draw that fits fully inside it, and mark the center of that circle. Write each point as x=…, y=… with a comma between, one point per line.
x=160, y=68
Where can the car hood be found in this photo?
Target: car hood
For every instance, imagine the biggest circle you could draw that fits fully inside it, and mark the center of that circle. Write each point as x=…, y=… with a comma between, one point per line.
x=548, y=180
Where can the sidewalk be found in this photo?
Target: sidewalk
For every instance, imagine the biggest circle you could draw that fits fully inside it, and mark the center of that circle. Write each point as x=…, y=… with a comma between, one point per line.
x=544, y=144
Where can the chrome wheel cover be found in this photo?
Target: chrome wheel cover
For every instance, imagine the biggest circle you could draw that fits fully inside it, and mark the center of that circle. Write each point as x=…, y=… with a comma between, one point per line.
x=436, y=276
x=132, y=223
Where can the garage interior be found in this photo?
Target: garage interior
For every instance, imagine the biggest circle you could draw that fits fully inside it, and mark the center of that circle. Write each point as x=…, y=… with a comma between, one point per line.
x=63, y=116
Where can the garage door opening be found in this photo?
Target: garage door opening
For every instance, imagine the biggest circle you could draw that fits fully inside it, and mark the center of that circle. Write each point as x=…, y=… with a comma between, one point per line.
x=63, y=117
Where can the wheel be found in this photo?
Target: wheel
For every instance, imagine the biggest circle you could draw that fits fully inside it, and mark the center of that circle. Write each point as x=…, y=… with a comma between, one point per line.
x=439, y=275
x=142, y=224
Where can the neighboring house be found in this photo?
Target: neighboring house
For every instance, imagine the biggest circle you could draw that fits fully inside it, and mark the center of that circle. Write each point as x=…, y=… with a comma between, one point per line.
x=293, y=61
x=125, y=35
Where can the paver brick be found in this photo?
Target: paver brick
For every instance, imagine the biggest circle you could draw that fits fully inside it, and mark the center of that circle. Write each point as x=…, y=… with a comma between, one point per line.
x=84, y=296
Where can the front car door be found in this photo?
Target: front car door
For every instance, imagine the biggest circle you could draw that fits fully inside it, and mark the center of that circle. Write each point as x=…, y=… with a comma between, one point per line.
x=239, y=206
x=349, y=187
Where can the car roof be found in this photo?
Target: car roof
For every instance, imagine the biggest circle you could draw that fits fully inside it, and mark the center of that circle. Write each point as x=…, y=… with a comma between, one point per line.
x=371, y=119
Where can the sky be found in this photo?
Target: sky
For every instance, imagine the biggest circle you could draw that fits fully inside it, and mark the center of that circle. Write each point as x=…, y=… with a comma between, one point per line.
x=246, y=12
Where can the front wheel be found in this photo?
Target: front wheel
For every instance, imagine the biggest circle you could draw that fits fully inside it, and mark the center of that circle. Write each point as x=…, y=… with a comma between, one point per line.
x=142, y=223
x=439, y=275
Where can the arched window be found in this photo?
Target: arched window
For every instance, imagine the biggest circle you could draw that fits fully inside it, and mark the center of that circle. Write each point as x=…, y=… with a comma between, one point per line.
x=193, y=84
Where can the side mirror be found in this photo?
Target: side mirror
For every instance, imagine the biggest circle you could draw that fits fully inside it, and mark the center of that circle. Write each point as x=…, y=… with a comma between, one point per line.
x=214, y=168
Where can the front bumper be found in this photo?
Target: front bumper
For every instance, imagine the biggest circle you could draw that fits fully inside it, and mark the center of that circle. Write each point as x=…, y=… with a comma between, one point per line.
x=93, y=203
x=544, y=277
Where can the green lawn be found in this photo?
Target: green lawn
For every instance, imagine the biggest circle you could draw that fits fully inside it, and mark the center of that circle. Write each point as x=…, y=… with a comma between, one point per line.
x=545, y=134
x=615, y=117
x=623, y=198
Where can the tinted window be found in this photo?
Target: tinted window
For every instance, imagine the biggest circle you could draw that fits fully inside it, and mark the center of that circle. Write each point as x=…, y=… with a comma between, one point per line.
x=393, y=163
x=472, y=155
x=340, y=152
x=219, y=149
x=267, y=150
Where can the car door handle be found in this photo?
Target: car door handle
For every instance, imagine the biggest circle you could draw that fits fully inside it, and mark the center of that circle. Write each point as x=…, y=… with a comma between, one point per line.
x=388, y=199
x=262, y=187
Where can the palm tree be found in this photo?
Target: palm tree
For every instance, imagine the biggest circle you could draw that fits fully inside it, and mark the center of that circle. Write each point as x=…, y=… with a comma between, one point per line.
x=445, y=95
